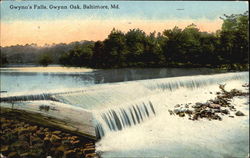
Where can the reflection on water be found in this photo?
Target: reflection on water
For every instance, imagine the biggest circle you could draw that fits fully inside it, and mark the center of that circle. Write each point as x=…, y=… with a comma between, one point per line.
x=51, y=78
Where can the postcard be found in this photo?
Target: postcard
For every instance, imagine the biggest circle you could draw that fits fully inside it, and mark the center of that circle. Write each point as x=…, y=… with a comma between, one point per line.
x=124, y=79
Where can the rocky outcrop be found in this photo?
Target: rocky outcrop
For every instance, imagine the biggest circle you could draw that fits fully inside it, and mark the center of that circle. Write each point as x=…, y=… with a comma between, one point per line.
x=212, y=109
x=28, y=140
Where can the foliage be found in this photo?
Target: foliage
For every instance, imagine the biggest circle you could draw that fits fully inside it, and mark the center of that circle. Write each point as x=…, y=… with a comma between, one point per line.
x=234, y=38
x=80, y=55
x=3, y=60
x=45, y=60
x=188, y=47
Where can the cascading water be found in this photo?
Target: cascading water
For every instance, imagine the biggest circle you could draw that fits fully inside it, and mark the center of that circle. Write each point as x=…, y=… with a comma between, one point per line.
x=123, y=117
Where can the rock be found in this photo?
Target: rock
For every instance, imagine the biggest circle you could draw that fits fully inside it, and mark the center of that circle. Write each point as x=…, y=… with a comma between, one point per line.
x=239, y=113
x=171, y=112
x=24, y=137
x=35, y=140
x=92, y=155
x=214, y=106
x=89, y=144
x=177, y=111
x=216, y=101
x=5, y=149
x=26, y=125
x=38, y=145
x=74, y=137
x=182, y=114
x=216, y=117
x=56, y=144
x=13, y=155
x=225, y=111
x=70, y=154
x=21, y=145
x=197, y=105
x=40, y=134
x=231, y=116
x=56, y=132
x=178, y=105
x=55, y=140
x=216, y=110
x=59, y=151
x=47, y=143
x=4, y=125
x=89, y=150
x=23, y=131
x=46, y=130
x=76, y=143
x=60, y=148
x=189, y=112
x=26, y=154
x=32, y=128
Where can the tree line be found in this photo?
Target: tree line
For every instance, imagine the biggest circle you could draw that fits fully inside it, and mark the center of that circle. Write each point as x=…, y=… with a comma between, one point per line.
x=173, y=47
x=176, y=47
x=34, y=54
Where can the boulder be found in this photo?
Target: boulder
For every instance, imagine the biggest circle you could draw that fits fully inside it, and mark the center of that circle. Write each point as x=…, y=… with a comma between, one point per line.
x=239, y=113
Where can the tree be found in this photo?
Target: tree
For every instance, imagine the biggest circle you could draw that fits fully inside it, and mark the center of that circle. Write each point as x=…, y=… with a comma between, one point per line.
x=98, y=55
x=80, y=55
x=45, y=60
x=114, y=49
x=234, y=38
x=3, y=59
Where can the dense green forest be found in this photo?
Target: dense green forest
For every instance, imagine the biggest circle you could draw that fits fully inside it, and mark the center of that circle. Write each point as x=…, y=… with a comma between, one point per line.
x=188, y=47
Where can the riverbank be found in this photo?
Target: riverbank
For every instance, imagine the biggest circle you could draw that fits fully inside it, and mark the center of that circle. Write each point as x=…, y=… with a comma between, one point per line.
x=24, y=138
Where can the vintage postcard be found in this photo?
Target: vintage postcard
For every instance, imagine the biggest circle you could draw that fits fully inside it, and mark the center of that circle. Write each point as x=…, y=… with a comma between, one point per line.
x=124, y=79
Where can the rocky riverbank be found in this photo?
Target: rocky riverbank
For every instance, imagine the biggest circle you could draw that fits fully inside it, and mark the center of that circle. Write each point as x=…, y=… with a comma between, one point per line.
x=26, y=139
x=212, y=109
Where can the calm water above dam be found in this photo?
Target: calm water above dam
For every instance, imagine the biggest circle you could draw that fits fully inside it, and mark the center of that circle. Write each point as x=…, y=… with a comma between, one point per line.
x=23, y=79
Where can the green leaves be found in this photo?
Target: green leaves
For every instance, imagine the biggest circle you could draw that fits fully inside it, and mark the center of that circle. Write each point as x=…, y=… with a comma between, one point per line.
x=174, y=47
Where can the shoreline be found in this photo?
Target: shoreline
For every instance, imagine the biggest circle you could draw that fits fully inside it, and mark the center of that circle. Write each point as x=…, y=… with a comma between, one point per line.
x=221, y=67
x=25, y=135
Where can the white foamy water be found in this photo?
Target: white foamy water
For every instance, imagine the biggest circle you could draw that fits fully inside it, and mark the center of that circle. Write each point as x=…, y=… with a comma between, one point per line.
x=171, y=136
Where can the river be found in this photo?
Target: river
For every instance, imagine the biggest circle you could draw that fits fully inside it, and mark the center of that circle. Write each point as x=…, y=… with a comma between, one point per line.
x=130, y=107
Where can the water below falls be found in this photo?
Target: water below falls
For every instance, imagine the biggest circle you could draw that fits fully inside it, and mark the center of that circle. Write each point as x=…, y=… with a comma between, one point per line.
x=144, y=128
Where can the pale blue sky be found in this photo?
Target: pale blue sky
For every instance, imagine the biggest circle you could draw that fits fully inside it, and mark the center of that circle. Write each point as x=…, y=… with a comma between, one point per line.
x=148, y=10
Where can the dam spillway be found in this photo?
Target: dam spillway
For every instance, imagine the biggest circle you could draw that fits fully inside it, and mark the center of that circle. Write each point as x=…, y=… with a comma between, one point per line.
x=117, y=106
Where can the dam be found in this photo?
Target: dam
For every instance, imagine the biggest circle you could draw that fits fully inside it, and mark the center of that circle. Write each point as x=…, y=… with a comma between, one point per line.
x=101, y=109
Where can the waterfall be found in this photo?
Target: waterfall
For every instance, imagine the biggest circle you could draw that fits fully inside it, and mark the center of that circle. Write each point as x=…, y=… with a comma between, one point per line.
x=123, y=117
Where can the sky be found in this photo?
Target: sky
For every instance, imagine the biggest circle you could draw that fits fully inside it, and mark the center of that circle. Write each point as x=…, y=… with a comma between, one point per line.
x=48, y=26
